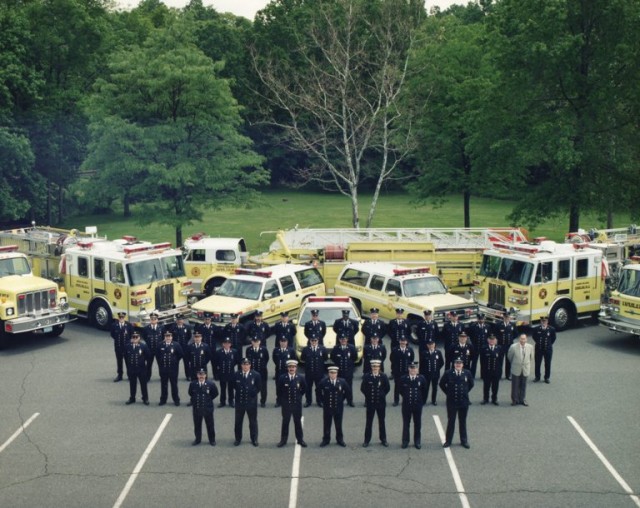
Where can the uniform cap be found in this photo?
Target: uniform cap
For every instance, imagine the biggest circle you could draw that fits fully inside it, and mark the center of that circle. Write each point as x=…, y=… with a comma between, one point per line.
x=376, y=362
x=544, y=318
x=480, y=315
x=207, y=315
x=167, y=333
x=234, y=316
x=333, y=368
x=315, y=312
x=255, y=339
x=292, y=362
x=313, y=338
x=458, y=360
x=374, y=336
x=197, y=334
x=135, y=334
x=431, y=341
x=345, y=312
x=283, y=339
x=428, y=312
x=245, y=361
x=202, y=371
x=492, y=337
x=453, y=313
x=122, y=314
x=258, y=313
x=226, y=339
x=403, y=339
x=374, y=310
x=284, y=313
x=179, y=316
x=399, y=310
x=413, y=365
x=154, y=313
x=463, y=334
x=342, y=336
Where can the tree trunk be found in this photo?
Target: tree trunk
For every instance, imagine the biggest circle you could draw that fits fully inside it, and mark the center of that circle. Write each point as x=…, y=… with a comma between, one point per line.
x=60, y=204
x=178, y=236
x=355, y=216
x=374, y=203
x=466, y=197
x=574, y=217
x=49, y=211
x=609, y=218
x=126, y=202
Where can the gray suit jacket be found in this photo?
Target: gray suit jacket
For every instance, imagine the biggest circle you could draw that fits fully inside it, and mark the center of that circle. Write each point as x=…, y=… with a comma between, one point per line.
x=519, y=365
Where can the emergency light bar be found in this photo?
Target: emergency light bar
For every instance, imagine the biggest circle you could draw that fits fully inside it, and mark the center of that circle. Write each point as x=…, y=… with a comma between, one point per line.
x=409, y=271
x=144, y=248
x=328, y=299
x=527, y=249
x=85, y=245
x=257, y=273
x=129, y=239
x=197, y=236
x=9, y=248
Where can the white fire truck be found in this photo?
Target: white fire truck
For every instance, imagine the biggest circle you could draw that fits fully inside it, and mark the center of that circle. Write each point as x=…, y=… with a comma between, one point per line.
x=562, y=280
x=454, y=254
x=105, y=277
x=28, y=303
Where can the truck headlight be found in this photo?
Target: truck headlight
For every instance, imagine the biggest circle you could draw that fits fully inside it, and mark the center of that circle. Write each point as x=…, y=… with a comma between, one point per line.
x=10, y=311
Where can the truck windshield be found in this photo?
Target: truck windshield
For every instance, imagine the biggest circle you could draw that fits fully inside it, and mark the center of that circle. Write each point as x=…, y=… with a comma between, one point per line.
x=629, y=283
x=151, y=270
x=506, y=269
x=237, y=288
x=14, y=266
x=423, y=287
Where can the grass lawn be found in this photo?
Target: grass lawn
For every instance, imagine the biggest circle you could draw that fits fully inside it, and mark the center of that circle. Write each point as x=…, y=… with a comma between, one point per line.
x=286, y=208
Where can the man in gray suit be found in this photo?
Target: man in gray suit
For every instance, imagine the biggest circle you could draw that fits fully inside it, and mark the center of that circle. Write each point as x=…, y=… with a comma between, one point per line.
x=520, y=355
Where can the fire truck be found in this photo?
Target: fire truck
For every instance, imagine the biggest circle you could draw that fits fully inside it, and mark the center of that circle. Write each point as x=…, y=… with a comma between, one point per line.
x=562, y=280
x=210, y=261
x=105, y=277
x=454, y=254
x=28, y=303
x=620, y=310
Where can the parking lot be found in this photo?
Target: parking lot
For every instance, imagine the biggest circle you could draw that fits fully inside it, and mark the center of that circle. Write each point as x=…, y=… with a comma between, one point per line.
x=68, y=439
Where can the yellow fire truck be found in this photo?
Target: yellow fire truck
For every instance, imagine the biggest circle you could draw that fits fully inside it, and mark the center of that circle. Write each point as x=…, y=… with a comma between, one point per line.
x=454, y=254
x=105, y=277
x=562, y=280
x=28, y=303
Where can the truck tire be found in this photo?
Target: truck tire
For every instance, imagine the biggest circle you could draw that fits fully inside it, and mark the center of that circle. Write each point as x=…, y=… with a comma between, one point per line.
x=100, y=315
x=562, y=315
x=413, y=329
x=212, y=285
x=56, y=332
x=4, y=337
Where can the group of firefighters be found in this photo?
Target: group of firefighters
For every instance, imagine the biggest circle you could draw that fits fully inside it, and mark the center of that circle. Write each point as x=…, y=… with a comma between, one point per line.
x=416, y=376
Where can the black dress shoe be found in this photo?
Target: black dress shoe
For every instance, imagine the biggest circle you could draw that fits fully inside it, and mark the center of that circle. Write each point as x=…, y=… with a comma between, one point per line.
x=212, y=443
x=524, y=403
x=547, y=381
x=117, y=378
x=161, y=403
x=342, y=443
x=446, y=444
x=145, y=402
x=302, y=443
x=405, y=445
x=189, y=404
x=254, y=443
x=176, y=403
x=196, y=442
x=495, y=403
x=281, y=444
x=324, y=443
x=434, y=403
x=319, y=404
x=484, y=402
x=536, y=380
x=395, y=404
x=508, y=378
x=307, y=404
x=514, y=403
x=262, y=404
x=384, y=443
x=466, y=445
x=236, y=443
x=222, y=404
x=231, y=404
x=277, y=404
x=130, y=401
x=351, y=404
x=364, y=445
x=418, y=446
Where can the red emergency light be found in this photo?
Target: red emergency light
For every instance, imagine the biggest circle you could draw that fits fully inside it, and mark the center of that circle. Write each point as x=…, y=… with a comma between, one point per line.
x=129, y=239
x=409, y=271
x=197, y=236
x=85, y=245
x=328, y=299
x=257, y=273
x=133, y=250
x=527, y=249
x=9, y=248
x=164, y=245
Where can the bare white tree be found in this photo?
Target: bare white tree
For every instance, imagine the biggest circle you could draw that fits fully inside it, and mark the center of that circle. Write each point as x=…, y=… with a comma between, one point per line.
x=337, y=96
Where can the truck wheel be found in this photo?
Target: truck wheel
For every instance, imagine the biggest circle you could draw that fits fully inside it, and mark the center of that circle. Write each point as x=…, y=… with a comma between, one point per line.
x=100, y=315
x=4, y=337
x=358, y=305
x=212, y=285
x=562, y=315
x=57, y=331
x=413, y=329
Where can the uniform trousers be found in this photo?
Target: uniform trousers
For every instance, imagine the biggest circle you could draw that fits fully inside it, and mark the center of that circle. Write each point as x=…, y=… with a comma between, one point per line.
x=545, y=355
x=461, y=414
x=207, y=416
x=289, y=412
x=329, y=416
x=165, y=379
x=134, y=377
x=312, y=379
x=490, y=383
x=226, y=388
x=409, y=413
x=382, y=429
x=252, y=414
x=119, y=360
x=433, y=384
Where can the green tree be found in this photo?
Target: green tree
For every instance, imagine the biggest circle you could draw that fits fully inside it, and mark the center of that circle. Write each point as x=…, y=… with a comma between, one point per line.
x=568, y=100
x=163, y=121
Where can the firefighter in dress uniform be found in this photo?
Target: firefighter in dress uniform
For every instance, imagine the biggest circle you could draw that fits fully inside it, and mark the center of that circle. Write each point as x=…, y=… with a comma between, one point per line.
x=375, y=387
x=457, y=383
x=315, y=327
x=152, y=334
x=398, y=328
x=544, y=337
x=136, y=356
x=413, y=388
x=182, y=335
x=209, y=331
x=347, y=327
x=428, y=331
x=258, y=355
x=506, y=332
x=431, y=363
x=374, y=326
x=333, y=391
x=285, y=328
x=121, y=331
x=491, y=358
x=235, y=332
x=202, y=393
x=198, y=355
x=280, y=356
x=168, y=356
x=478, y=333
x=344, y=356
x=258, y=328
x=313, y=357
x=373, y=351
x=247, y=387
x=450, y=332
x=291, y=390
x=225, y=361
x=401, y=357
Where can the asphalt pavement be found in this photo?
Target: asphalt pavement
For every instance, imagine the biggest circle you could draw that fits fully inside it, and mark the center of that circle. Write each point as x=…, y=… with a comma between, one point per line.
x=577, y=444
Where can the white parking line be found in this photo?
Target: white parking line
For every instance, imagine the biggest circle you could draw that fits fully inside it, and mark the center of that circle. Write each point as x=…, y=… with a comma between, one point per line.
x=141, y=462
x=452, y=465
x=604, y=460
x=295, y=474
x=19, y=431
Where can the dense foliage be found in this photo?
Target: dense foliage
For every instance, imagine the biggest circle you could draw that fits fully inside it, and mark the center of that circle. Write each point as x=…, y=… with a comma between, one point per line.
x=175, y=110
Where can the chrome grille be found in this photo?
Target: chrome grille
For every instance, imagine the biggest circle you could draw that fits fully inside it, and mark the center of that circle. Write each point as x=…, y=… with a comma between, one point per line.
x=496, y=295
x=31, y=303
x=164, y=297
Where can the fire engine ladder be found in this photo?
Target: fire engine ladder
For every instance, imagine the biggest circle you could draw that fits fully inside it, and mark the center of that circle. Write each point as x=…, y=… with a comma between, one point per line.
x=441, y=238
x=40, y=240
